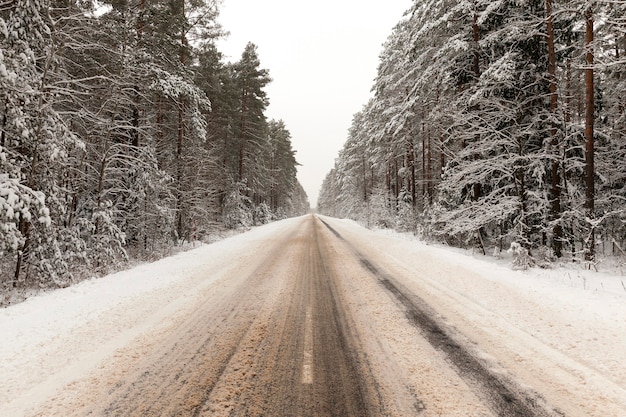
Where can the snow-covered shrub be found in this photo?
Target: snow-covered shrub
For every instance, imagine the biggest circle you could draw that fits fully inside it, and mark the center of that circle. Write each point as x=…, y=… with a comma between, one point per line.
x=262, y=214
x=53, y=255
x=280, y=214
x=18, y=202
x=237, y=210
x=427, y=220
x=544, y=256
x=379, y=211
x=406, y=221
x=106, y=244
x=521, y=256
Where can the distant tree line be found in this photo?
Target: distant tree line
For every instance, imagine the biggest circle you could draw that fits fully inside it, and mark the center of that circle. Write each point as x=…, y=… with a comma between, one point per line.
x=492, y=123
x=124, y=131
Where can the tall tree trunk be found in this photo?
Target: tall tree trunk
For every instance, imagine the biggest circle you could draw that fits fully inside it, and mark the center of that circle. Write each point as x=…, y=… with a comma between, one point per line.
x=364, y=174
x=476, y=38
x=555, y=178
x=618, y=75
x=160, y=133
x=524, y=227
x=442, y=156
x=580, y=105
x=179, y=169
x=4, y=124
x=429, y=168
x=568, y=91
x=567, y=118
x=477, y=188
x=423, y=153
x=181, y=132
x=24, y=228
x=242, y=132
x=136, y=88
x=412, y=162
x=397, y=178
x=589, y=133
x=388, y=178
x=424, y=174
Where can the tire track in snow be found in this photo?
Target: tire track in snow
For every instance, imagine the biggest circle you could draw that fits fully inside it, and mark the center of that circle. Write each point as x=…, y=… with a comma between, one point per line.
x=179, y=378
x=298, y=359
x=503, y=397
x=274, y=338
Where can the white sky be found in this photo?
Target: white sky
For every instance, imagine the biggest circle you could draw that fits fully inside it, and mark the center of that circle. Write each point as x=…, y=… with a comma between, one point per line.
x=322, y=56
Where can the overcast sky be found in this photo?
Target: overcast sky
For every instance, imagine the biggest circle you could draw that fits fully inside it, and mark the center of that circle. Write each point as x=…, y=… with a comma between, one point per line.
x=322, y=56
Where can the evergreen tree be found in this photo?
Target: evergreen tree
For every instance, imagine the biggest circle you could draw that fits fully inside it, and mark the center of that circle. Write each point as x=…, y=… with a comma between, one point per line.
x=492, y=98
x=251, y=128
x=282, y=166
x=109, y=143
x=34, y=144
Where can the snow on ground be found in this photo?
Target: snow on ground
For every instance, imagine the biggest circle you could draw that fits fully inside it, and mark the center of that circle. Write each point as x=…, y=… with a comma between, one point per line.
x=562, y=330
x=52, y=339
x=575, y=318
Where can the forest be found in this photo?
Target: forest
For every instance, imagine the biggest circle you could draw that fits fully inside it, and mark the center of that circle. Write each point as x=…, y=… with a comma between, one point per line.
x=495, y=125
x=124, y=133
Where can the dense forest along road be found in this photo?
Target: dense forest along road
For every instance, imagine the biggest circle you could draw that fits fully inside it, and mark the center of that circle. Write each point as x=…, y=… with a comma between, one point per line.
x=305, y=322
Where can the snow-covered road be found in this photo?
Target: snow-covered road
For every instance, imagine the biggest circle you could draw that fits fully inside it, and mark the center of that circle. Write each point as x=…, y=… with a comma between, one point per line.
x=239, y=316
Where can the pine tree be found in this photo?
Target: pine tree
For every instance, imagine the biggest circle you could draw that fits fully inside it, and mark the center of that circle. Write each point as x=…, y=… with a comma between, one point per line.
x=250, y=80
x=283, y=166
x=36, y=141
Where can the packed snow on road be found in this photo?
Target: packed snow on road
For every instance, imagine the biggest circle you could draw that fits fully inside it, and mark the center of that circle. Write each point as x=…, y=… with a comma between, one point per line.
x=560, y=332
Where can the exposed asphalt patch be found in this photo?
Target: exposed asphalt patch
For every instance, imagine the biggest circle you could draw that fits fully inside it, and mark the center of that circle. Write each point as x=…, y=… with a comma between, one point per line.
x=503, y=397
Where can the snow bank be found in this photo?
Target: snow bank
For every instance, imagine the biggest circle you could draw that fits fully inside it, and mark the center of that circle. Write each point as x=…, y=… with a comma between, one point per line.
x=54, y=338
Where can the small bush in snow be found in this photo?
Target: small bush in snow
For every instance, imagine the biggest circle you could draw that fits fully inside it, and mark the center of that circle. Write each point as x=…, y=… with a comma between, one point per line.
x=262, y=214
x=280, y=214
x=544, y=256
x=380, y=214
x=406, y=220
x=238, y=209
x=521, y=257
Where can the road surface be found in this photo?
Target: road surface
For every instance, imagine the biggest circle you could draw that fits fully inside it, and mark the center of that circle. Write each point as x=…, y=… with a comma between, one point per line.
x=309, y=322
